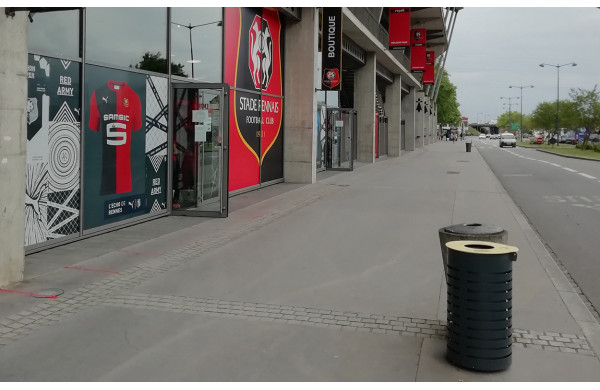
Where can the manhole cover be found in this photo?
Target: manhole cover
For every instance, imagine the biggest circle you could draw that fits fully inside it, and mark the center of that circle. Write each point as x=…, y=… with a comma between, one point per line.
x=462, y=160
x=452, y=173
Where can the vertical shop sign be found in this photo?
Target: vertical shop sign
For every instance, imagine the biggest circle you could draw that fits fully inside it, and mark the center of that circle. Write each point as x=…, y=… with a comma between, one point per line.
x=399, y=19
x=429, y=73
x=418, y=38
x=253, y=68
x=331, y=48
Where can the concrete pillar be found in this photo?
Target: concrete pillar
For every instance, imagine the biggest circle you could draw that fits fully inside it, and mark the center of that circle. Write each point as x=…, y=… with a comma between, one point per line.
x=300, y=103
x=409, y=116
x=13, y=141
x=434, y=128
x=393, y=109
x=426, y=116
x=364, y=103
x=420, y=120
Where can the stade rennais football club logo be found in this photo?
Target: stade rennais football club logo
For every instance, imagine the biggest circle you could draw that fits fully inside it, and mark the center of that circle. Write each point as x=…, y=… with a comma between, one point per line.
x=260, y=58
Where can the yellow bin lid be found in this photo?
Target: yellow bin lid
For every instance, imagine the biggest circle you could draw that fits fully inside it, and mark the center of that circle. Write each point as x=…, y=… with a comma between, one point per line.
x=481, y=247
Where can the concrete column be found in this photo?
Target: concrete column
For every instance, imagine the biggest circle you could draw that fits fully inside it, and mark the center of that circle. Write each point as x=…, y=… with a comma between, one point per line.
x=13, y=141
x=420, y=120
x=426, y=117
x=300, y=103
x=393, y=103
x=364, y=103
x=434, y=127
x=408, y=114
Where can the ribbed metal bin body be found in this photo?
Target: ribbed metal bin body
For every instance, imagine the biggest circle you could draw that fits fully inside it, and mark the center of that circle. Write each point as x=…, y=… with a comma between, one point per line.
x=479, y=327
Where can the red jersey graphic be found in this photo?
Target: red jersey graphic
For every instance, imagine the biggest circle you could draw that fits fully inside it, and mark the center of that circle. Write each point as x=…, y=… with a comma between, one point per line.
x=115, y=109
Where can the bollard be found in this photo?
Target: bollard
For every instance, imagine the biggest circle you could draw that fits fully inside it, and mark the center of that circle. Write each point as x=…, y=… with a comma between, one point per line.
x=468, y=143
x=469, y=231
x=479, y=311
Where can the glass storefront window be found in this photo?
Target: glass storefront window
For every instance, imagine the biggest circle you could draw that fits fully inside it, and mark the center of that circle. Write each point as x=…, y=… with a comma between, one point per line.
x=54, y=33
x=197, y=43
x=128, y=37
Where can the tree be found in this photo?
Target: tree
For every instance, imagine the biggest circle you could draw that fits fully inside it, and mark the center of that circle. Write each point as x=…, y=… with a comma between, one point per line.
x=587, y=110
x=155, y=63
x=446, y=102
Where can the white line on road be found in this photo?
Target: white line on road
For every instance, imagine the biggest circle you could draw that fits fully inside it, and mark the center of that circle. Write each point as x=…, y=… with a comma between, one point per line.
x=588, y=176
x=569, y=169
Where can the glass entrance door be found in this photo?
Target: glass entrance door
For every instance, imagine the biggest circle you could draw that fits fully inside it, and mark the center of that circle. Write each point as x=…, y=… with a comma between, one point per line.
x=339, y=146
x=200, y=149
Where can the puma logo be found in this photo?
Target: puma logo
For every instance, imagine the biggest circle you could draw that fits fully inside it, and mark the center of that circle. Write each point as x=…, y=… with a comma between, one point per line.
x=105, y=99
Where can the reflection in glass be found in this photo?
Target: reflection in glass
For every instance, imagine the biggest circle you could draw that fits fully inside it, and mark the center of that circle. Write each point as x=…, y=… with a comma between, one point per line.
x=55, y=33
x=197, y=156
x=129, y=37
x=197, y=42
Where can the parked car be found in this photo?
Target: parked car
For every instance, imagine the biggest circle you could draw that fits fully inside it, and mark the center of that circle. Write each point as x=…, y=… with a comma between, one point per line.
x=507, y=139
x=594, y=137
x=481, y=136
x=535, y=140
x=570, y=139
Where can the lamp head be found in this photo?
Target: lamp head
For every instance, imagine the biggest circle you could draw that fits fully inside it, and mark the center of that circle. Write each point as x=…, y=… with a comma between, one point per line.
x=542, y=65
x=574, y=64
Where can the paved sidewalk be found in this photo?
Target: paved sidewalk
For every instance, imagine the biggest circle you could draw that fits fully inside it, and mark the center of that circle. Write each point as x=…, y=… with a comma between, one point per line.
x=340, y=280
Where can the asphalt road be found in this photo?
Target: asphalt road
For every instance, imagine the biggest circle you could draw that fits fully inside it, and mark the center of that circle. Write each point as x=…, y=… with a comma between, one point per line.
x=561, y=198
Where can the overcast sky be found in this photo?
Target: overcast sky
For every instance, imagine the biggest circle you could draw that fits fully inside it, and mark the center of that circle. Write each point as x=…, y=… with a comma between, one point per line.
x=493, y=48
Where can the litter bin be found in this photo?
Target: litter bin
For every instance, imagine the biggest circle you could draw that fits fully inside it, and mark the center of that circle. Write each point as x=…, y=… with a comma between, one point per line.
x=468, y=143
x=469, y=231
x=479, y=322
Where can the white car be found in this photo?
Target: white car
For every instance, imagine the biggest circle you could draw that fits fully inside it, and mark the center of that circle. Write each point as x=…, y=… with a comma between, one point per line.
x=481, y=136
x=507, y=139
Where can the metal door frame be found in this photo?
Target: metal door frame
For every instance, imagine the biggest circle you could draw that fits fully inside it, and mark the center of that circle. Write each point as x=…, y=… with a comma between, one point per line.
x=351, y=133
x=224, y=160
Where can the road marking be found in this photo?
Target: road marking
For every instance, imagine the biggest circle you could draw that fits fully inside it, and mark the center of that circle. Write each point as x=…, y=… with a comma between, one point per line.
x=518, y=175
x=588, y=176
x=569, y=169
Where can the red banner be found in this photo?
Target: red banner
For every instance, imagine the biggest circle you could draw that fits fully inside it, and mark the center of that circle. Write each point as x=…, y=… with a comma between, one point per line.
x=429, y=74
x=429, y=57
x=399, y=28
x=418, y=38
x=253, y=58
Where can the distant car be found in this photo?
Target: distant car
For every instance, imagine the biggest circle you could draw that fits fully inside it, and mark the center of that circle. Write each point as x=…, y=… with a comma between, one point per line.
x=535, y=140
x=487, y=136
x=481, y=136
x=571, y=140
x=594, y=137
x=507, y=139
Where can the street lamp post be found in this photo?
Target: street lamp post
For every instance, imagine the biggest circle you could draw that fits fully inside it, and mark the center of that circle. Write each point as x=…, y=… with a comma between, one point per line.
x=190, y=28
x=521, y=88
x=557, y=89
x=509, y=109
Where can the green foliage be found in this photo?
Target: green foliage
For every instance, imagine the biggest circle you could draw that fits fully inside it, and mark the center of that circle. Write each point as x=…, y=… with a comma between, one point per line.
x=544, y=116
x=155, y=63
x=515, y=117
x=447, y=104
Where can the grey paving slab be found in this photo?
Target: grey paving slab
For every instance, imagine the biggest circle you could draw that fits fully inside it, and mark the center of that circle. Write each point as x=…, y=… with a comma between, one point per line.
x=145, y=345
x=528, y=365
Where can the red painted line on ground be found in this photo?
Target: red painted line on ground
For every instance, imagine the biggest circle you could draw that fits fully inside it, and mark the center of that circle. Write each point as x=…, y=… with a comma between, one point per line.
x=28, y=293
x=92, y=270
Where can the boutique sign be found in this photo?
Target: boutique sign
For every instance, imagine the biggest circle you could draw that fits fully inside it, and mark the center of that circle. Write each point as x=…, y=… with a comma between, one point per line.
x=331, y=46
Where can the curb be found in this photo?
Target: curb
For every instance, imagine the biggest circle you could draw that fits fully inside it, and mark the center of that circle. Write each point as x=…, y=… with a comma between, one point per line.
x=562, y=155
